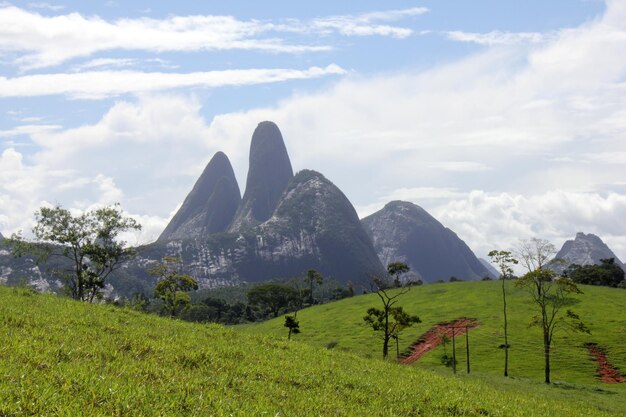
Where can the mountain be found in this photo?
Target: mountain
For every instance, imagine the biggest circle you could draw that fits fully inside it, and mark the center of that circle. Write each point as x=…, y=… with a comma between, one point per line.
x=313, y=226
x=269, y=173
x=210, y=206
x=585, y=249
x=405, y=232
x=493, y=272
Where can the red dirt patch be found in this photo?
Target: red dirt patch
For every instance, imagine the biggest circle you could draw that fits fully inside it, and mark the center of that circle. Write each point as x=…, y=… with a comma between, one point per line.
x=606, y=371
x=432, y=338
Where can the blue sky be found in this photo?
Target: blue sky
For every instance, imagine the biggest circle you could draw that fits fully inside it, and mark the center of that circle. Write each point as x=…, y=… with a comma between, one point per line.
x=504, y=119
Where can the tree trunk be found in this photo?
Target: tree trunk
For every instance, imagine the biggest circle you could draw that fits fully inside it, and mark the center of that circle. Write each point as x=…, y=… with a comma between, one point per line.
x=385, y=347
x=546, y=351
x=506, y=336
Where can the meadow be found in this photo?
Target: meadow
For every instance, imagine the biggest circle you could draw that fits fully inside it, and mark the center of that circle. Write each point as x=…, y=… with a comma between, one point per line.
x=602, y=309
x=64, y=358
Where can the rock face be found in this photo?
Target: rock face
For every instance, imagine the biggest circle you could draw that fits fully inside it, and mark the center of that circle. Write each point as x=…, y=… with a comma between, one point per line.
x=405, y=232
x=268, y=175
x=283, y=226
x=210, y=206
x=585, y=249
x=313, y=226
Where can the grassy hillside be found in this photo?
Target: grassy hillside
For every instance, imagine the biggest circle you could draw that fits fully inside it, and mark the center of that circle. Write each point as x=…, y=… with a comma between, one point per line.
x=63, y=358
x=602, y=309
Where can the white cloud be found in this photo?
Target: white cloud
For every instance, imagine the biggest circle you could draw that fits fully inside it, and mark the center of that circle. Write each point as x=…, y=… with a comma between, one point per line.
x=109, y=63
x=496, y=221
x=364, y=24
x=101, y=84
x=28, y=130
x=498, y=37
x=44, y=41
x=460, y=166
x=46, y=6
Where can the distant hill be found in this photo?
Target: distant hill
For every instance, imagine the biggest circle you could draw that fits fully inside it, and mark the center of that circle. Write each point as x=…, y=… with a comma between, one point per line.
x=584, y=249
x=403, y=231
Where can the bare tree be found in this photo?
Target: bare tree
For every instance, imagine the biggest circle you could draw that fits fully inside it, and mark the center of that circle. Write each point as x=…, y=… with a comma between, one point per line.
x=534, y=253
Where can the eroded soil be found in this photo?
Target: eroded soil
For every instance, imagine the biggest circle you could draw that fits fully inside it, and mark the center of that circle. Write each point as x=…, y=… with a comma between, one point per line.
x=607, y=373
x=433, y=337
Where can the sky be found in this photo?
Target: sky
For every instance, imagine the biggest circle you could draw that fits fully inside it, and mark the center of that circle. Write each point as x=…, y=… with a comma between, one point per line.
x=506, y=120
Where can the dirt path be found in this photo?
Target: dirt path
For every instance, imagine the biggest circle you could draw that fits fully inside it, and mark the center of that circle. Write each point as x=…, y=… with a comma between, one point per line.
x=606, y=371
x=432, y=338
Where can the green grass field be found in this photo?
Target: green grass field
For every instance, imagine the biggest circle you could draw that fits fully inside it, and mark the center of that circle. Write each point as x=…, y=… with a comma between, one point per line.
x=63, y=358
x=602, y=309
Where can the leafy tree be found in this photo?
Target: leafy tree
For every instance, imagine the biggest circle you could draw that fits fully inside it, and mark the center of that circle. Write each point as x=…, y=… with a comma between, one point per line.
x=172, y=287
x=272, y=297
x=379, y=319
x=396, y=269
x=608, y=273
x=505, y=262
x=551, y=295
x=217, y=308
x=313, y=277
x=89, y=240
x=389, y=329
x=292, y=324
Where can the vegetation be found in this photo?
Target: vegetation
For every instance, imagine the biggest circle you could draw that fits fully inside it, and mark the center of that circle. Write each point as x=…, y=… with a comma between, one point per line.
x=63, y=358
x=273, y=297
x=603, y=309
x=172, y=287
x=505, y=261
x=608, y=273
x=89, y=241
x=293, y=325
x=551, y=295
x=313, y=277
x=379, y=319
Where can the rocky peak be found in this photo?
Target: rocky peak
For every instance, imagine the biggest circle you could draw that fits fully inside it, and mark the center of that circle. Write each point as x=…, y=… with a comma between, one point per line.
x=268, y=175
x=403, y=231
x=211, y=204
x=585, y=249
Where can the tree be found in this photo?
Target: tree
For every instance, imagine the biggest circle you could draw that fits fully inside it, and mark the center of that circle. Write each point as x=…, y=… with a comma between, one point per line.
x=505, y=261
x=272, y=297
x=379, y=319
x=396, y=269
x=89, y=240
x=551, y=295
x=534, y=253
x=293, y=325
x=172, y=287
x=313, y=277
x=389, y=329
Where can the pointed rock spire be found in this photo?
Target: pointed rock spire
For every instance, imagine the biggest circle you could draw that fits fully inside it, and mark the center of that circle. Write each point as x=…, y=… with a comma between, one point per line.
x=211, y=204
x=268, y=175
